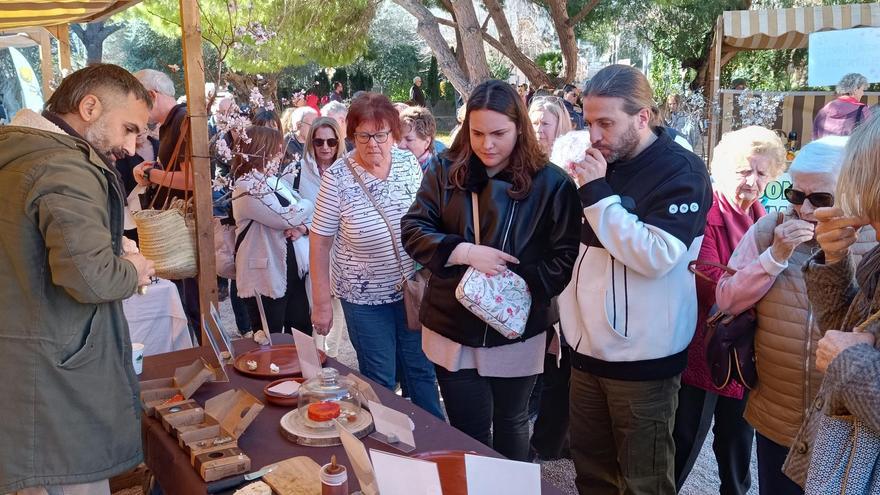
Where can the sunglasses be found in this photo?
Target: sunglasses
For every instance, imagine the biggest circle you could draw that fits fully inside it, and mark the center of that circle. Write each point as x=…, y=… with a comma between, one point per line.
x=318, y=142
x=817, y=199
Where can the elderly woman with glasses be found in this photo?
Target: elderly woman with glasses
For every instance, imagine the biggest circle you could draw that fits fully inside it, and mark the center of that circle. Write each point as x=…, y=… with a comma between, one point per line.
x=549, y=119
x=770, y=260
x=356, y=253
x=745, y=161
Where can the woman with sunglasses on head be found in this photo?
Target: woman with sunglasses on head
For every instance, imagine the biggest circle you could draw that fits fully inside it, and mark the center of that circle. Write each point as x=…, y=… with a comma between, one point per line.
x=529, y=223
x=769, y=261
x=356, y=254
x=744, y=162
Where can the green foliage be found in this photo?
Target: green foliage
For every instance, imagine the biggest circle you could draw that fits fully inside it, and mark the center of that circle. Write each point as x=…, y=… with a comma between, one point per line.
x=360, y=81
x=322, y=83
x=137, y=47
x=551, y=62
x=341, y=75
x=329, y=32
x=769, y=70
x=296, y=78
x=500, y=68
x=432, y=82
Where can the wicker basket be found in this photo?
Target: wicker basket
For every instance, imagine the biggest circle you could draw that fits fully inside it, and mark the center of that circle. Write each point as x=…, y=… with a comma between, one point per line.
x=168, y=239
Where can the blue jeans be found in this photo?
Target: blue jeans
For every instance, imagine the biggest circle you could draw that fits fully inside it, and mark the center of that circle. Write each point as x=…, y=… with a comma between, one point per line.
x=380, y=338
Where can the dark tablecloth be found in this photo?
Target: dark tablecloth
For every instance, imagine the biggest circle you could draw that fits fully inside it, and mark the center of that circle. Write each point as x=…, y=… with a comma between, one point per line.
x=263, y=441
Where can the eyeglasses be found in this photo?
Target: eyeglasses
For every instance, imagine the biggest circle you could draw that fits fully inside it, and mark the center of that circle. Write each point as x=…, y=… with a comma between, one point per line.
x=817, y=199
x=364, y=137
x=318, y=142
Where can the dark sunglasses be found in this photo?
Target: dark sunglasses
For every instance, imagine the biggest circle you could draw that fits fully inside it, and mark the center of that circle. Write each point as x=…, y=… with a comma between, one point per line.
x=332, y=142
x=817, y=199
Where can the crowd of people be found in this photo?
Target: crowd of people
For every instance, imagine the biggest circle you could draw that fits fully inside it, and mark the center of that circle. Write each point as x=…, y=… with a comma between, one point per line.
x=335, y=207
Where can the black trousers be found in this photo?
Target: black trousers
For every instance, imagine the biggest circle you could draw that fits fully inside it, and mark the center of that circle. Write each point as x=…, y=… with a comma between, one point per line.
x=771, y=479
x=491, y=410
x=240, y=309
x=733, y=437
x=288, y=311
x=188, y=289
x=550, y=435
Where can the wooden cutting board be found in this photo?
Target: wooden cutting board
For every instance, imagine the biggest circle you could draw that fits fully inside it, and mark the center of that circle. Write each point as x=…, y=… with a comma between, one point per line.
x=295, y=476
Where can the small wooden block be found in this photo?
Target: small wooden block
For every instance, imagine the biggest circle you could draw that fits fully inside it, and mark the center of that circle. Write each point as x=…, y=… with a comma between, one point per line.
x=221, y=464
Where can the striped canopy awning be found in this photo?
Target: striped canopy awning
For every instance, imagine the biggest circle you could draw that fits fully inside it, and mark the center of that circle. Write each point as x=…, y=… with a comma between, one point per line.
x=777, y=29
x=20, y=13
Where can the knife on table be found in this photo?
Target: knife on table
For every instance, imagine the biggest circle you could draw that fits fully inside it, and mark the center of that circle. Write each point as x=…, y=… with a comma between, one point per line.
x=234, y=481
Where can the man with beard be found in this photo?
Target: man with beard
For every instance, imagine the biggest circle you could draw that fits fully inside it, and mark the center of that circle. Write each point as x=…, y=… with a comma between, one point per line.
x=631, y=307
x=70, y=391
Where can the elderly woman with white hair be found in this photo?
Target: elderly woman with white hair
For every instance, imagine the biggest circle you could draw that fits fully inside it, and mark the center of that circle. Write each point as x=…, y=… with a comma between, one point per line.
x=769, y=261
x=549, y=119
x=338, y=111
x=840, y=116
x=745, y=161
x=300, y=122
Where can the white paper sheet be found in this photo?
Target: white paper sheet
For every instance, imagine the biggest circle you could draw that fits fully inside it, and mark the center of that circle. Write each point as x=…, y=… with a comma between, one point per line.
x=490, y=476
x=309, y=360
x=392, y=423
x=359, y=459
x=398, y=475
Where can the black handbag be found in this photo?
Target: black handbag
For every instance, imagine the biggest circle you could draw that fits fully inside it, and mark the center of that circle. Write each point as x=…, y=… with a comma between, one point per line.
x=730, y=340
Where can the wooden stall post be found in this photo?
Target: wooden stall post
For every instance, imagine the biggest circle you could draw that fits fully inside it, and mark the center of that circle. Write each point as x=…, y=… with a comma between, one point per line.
x=61, y=33
x=194, y=72
x=714, y=85
x=46, y=62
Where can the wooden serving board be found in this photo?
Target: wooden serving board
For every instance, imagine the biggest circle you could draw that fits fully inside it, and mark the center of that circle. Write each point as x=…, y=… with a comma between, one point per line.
x=284, y=356
x=293, y=429
x=295, y=476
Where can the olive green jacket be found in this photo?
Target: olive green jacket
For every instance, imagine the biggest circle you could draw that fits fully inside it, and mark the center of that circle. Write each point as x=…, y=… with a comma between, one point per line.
x=68, y=389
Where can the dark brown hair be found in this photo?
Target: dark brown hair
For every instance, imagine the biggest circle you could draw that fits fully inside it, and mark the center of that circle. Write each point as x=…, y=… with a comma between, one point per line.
x=526, y=159
x=374, y=107
x=98, y=80
x=628, y=84
x=266, y=117
x=264, y=144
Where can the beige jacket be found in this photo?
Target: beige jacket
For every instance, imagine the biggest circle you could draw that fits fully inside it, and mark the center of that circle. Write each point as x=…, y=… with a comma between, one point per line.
x=785, y=343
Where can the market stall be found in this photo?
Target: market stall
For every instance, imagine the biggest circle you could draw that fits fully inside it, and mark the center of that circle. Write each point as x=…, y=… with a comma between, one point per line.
x=263, y=440
x=780, y=29
x=39, y=18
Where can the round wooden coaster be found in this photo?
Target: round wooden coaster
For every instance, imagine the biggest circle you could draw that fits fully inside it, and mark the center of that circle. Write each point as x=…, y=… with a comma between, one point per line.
x=293, y=429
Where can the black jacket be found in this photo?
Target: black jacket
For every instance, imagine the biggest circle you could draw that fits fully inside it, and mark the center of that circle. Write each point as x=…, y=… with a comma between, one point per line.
x=544, y=236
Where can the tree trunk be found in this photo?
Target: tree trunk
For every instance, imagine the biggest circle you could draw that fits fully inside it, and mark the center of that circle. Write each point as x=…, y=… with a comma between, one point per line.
x=567, y=39
x=429, y=30
x=471, y=41
x=93, y=36
x=242, y=84
x=507, y=46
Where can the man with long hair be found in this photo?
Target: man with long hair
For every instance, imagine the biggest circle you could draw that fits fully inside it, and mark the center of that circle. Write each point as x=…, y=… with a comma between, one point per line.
x=630, y=310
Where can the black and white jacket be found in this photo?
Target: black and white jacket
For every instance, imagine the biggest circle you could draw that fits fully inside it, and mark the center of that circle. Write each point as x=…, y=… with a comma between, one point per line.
x=631, y=307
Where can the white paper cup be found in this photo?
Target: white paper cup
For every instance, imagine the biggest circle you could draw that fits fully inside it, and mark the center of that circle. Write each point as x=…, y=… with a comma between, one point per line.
x=137, y=357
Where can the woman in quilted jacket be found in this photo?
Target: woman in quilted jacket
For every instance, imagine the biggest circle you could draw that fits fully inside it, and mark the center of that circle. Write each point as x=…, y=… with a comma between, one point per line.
x=770, y=261
x=529, y=225
x=845, y=297
x=745, y=161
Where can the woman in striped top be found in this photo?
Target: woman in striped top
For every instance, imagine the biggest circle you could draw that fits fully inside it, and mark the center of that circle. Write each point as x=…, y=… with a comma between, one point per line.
x=352, y=251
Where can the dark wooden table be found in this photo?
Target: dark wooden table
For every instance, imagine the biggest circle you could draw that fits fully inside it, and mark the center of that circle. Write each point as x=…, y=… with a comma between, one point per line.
x=263, y=441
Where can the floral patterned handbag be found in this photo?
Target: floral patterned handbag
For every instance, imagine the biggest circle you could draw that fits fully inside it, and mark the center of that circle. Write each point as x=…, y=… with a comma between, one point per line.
x=503, y=301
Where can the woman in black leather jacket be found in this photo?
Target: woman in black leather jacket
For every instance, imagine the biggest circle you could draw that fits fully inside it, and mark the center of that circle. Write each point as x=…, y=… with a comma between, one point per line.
x=486, y=379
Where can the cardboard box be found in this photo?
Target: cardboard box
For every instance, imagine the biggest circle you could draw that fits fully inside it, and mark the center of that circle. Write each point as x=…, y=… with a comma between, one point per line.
x=178, y=413
x=220, y=464
x=186, y=381
x=222, y=421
